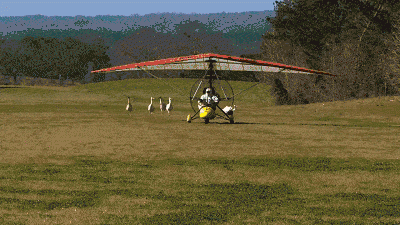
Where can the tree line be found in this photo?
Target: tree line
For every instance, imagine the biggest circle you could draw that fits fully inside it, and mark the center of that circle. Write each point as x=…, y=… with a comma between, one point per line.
x=51, y=57
x=71, y=58
x=356, y=40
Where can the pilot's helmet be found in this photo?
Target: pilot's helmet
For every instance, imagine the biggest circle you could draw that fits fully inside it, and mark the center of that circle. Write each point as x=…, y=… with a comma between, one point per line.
x=208, y=90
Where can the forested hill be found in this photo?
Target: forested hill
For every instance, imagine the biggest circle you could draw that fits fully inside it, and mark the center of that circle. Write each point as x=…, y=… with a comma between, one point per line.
x=243, y=27
x=220, y=21
x=45, y=46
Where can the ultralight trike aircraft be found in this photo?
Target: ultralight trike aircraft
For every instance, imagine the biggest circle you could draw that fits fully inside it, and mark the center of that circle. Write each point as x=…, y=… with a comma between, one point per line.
x=220, y=88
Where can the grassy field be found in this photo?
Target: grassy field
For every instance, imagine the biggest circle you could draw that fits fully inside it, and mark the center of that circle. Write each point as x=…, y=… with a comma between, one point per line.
x=73, y=155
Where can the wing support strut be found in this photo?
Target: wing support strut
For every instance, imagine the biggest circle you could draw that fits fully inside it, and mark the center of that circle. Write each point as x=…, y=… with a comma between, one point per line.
x=246, y=89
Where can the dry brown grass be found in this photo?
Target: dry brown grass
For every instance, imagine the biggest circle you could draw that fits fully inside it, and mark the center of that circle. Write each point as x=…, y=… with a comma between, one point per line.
x=65, y=146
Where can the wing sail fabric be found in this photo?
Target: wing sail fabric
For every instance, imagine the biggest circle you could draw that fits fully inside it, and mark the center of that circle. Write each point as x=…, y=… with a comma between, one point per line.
x=223, y=62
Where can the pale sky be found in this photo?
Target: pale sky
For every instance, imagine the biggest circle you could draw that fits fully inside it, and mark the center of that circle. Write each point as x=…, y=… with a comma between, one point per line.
x=126, y=7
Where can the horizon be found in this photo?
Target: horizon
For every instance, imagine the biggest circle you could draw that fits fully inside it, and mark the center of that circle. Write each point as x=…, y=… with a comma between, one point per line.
x=156, y=13
x=52, y=8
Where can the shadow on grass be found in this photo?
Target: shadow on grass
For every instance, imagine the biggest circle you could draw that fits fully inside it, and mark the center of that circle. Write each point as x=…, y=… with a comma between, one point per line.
x=202, y=121
x=236, y=123
x=314, y=124
x=365, y=124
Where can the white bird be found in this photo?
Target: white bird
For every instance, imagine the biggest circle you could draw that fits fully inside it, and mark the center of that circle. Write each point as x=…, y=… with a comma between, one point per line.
x=228, y=109
x=129, y=106
x=163, y=106
x=169, y=106
x=151, y=107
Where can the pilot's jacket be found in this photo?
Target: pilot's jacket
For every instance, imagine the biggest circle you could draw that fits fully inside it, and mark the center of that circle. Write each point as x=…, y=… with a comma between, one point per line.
x=210, y=99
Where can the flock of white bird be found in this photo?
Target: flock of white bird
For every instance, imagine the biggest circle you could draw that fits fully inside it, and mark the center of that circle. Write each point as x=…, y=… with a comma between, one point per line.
x=168, y=107
x=163, y=107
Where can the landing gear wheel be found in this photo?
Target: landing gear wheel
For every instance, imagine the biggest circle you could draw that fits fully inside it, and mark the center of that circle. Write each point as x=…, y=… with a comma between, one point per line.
x=231, y=121
x=206, y=121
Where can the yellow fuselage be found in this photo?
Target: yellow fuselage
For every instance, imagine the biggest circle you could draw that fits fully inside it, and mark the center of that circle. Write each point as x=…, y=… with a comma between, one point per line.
x=207, y=113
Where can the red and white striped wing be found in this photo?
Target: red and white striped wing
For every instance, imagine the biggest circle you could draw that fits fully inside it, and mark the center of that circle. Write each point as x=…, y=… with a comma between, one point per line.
x=223, y=62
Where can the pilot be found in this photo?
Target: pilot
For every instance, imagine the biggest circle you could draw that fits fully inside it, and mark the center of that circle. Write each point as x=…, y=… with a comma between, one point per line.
x=209, y=98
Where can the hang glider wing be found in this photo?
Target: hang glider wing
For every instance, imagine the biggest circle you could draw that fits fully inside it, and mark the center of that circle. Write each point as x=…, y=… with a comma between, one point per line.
x=223, y=62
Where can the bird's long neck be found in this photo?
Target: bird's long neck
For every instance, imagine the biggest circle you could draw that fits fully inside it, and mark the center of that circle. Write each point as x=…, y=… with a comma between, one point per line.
x=128, y=100
x=160, y=101
x=151, y=101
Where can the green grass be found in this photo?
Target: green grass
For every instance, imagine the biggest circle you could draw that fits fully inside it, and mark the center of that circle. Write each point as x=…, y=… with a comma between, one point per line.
x=74, y=155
